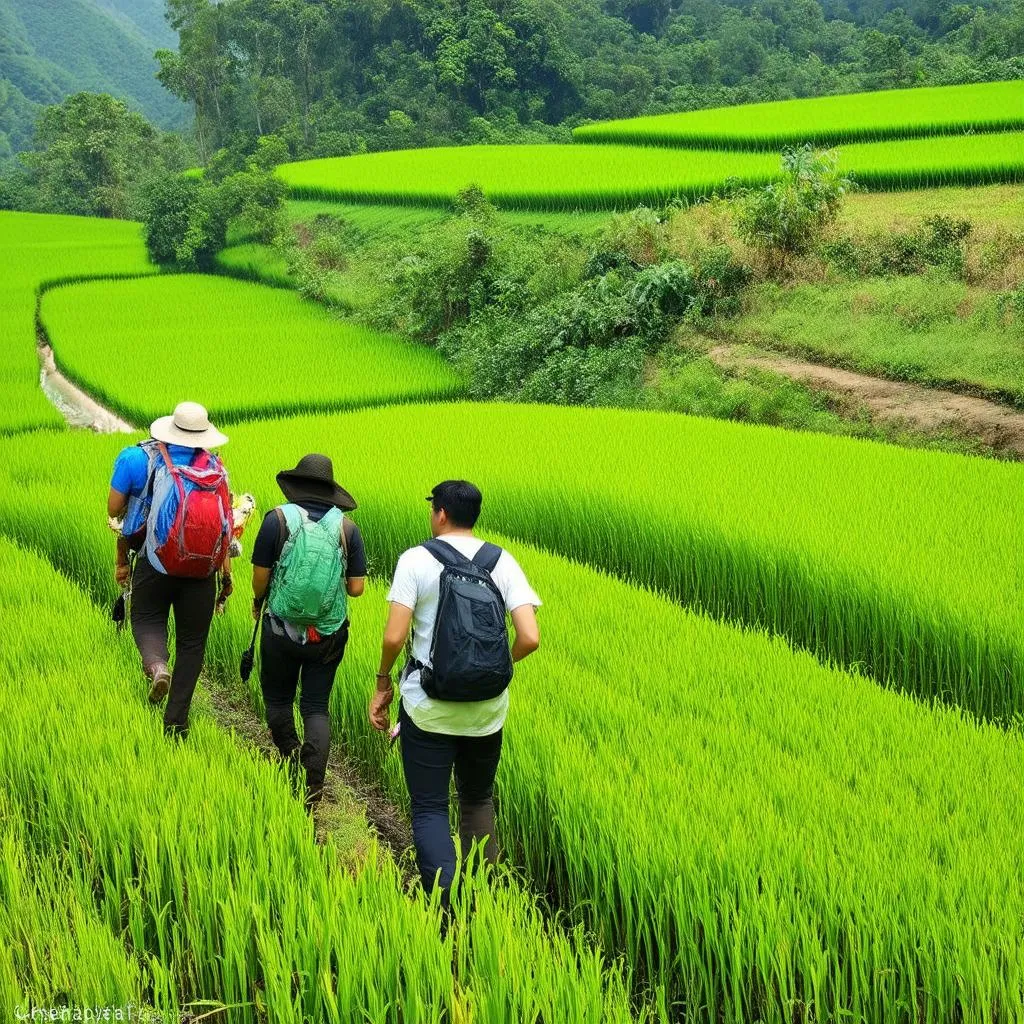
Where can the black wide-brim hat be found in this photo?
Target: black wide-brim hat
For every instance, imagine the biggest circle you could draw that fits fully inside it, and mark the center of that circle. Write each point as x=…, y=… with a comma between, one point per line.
x=313, y=480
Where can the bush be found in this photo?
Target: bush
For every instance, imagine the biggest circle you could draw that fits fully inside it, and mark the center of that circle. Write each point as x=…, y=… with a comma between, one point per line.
x=786, y=217
x=185, y=222
x=938, y=241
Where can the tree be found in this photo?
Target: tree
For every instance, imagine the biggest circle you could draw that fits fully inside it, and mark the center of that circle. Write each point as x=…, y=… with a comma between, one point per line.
x=92, y=156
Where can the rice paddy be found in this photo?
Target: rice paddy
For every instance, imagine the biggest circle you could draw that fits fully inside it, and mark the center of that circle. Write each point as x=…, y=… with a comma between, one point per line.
x=827, y=120
x=169, y=876
x=767, y=766
x=36, y=251
x=566, y=177
x=266, y=352
x=762, y=858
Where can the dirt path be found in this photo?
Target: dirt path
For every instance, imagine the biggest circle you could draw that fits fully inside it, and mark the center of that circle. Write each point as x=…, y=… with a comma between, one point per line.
x=924, y=408
x=73, y=403
x=346, y=794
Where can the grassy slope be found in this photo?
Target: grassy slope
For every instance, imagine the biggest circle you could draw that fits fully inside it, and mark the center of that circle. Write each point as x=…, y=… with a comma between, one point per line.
x=926, y=329
x=265, y=352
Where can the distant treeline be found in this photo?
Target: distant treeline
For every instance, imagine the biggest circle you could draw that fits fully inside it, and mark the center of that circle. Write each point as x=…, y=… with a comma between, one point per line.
x=333, y=77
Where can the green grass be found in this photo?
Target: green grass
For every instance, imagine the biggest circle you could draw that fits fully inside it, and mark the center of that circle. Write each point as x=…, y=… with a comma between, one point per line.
x=243, y=350
x=895, y=560
x=253, y=261
x=923, y=328
x=188, y=872
x=565, y=177
x=36, y=250
x=402, y=221
x=795, y=835
x=826, y=120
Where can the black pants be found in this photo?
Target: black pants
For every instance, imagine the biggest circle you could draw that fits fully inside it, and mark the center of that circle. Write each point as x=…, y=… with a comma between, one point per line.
x=154, y=595
x=282, y=662
x=428, y=759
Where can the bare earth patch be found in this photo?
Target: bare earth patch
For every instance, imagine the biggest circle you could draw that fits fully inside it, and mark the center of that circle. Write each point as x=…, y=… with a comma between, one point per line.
x=924, y=408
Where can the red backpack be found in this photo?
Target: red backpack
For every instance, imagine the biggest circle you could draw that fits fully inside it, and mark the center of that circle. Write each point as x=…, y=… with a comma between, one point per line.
x=188, y=530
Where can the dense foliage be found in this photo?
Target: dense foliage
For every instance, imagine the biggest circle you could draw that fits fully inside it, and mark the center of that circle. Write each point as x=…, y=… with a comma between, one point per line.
x=341, y=76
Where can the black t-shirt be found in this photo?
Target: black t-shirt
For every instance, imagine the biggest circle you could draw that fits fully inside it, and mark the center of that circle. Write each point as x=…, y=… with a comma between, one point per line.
x=269, y=541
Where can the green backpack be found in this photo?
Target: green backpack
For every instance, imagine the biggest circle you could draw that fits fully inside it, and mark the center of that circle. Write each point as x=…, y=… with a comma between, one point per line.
x=308, y=585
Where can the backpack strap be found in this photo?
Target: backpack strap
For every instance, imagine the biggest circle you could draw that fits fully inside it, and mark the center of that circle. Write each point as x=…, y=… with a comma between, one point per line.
x=342, y=539
x=448, y=556
x=289, y=518
x=487, y=557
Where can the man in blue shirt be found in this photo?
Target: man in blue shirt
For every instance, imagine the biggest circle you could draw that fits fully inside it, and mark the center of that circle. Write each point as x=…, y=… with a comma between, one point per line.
x=186, y=434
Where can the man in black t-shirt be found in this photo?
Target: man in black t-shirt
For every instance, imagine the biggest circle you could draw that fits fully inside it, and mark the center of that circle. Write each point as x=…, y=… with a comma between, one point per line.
x=288, y=651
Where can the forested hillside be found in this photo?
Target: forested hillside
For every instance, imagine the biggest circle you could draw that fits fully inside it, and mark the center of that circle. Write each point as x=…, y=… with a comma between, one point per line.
x=51, y=49
x=338, y=76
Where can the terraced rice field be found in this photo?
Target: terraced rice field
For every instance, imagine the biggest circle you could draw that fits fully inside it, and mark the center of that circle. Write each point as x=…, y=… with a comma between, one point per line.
x=266, y=351
x=748, y=773
x=826, y=120
x=137, y=872
x=765, y=764
x=617, y=176
x=35, y=252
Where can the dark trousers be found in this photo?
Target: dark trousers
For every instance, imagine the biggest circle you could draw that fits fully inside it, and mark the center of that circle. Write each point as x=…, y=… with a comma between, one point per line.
x=282, y=662
x=154, y=596
x=428, y=759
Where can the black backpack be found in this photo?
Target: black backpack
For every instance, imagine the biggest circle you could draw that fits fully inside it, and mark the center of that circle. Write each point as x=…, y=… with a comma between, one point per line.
x=469, y=651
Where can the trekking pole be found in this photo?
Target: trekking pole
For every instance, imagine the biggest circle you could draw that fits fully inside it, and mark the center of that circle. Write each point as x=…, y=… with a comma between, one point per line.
x=245, y=667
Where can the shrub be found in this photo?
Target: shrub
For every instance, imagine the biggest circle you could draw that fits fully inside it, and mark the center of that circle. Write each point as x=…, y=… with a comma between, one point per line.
x=185, y=222
x=787, y=216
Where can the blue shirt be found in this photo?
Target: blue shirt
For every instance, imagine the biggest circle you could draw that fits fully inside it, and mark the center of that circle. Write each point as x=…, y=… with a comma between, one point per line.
x=131, y=474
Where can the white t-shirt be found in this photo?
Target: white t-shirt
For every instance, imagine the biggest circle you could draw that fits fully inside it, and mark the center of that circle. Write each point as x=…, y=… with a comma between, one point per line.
x=416, y=586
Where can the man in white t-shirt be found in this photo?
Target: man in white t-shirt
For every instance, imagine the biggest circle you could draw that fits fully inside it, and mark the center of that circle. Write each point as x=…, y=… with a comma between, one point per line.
x=439, y=735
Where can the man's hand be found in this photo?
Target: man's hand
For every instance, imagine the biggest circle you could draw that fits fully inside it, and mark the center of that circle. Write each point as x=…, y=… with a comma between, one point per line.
x=380, y=702
x=122, y=573
x=257, y=605
x=226, y=589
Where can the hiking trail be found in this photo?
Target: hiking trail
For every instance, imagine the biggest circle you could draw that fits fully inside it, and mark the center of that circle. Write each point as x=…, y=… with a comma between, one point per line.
x=999, y=426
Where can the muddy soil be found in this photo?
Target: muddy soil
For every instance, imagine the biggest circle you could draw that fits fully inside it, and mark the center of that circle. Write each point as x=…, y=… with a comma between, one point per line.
x=926, y=409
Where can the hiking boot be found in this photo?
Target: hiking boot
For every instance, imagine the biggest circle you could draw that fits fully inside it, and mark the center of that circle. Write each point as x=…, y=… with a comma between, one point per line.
x=476, y=821
x=160, y=685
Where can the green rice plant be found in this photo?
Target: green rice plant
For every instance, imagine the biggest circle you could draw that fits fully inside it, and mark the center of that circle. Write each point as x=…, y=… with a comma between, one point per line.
x=253, y=261
x=265, y=352
x=199, y=863
x=764, y=837
x=37, y=250
x=906, y=563
x=826, y=120
x=565, y=177
x=552, y=177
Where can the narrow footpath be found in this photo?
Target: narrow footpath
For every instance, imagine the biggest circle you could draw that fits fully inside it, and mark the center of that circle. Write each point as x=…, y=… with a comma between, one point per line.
x=1001, y=427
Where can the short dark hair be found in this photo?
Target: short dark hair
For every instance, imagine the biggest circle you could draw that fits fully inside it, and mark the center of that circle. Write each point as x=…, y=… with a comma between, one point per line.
x=460, y=499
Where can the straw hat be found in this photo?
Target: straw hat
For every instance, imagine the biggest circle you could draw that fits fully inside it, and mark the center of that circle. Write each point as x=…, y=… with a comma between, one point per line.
x=189, y=425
